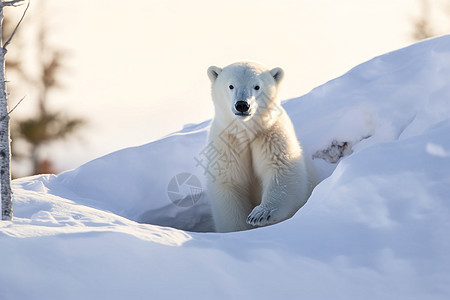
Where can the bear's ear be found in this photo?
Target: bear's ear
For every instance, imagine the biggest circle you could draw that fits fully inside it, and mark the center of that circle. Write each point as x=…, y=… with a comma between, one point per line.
x=213, y=73
x=277, y=74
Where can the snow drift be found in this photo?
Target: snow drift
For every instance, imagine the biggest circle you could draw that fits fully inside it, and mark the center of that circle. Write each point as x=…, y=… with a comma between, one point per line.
x=375, y=228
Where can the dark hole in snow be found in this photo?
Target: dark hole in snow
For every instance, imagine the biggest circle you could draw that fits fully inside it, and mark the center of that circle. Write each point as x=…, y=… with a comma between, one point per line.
x=196, y=217
x=335, y=151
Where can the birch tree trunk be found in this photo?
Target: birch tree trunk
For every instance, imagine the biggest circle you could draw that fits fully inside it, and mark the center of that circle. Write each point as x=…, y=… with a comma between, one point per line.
x=5, y=172
x=5, y=154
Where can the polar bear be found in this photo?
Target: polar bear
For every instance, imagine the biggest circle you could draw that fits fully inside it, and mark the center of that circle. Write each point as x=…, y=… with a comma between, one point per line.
x=258, y=175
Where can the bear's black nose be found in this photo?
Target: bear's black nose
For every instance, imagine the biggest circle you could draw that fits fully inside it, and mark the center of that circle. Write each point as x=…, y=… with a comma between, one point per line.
x=242, y=106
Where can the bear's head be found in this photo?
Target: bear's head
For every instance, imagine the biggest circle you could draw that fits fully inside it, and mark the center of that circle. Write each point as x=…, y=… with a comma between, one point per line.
x=245, y=90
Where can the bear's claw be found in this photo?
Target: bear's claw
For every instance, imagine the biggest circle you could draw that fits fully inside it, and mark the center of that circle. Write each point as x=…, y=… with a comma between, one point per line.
x=260, y=216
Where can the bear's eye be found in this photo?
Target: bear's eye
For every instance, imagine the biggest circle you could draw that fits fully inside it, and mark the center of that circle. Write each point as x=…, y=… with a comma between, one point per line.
x=231, y=87
x=257, y=87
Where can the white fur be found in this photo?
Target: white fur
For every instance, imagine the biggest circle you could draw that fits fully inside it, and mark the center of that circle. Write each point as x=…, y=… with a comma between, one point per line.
x=260, y=176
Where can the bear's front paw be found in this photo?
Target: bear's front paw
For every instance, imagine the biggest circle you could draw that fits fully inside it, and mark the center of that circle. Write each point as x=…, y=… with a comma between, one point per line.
x=261, y=216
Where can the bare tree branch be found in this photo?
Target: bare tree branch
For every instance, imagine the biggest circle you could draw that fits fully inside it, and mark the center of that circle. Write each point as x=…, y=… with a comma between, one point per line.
x=18, y=24
x=12, y=109
x=15, y=106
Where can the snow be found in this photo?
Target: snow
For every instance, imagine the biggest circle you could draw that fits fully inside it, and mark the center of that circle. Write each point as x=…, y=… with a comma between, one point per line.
x=376, y=227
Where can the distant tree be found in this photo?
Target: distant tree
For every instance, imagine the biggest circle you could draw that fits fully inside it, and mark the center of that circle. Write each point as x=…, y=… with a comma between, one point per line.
x=5, y=155
x=47, y=125
x=422, y=25
x=426, y=24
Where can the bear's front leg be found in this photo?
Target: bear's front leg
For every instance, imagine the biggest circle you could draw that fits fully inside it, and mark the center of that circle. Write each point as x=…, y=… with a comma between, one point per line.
x=283, y=194
x=229, y=205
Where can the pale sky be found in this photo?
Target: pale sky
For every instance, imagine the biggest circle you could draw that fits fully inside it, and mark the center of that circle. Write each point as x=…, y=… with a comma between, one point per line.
x=138, y=67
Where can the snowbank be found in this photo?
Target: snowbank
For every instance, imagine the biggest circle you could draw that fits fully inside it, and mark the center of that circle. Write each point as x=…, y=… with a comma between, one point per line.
x=375, y=228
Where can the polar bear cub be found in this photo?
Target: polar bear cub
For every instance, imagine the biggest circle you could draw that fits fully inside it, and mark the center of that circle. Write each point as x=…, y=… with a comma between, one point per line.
x=259, y=176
